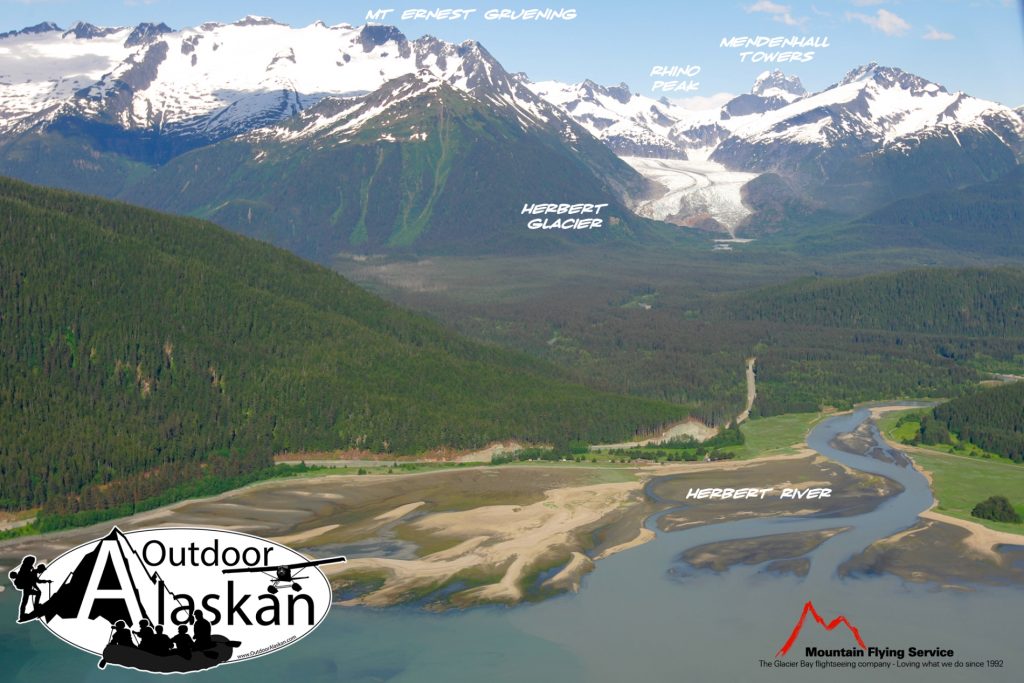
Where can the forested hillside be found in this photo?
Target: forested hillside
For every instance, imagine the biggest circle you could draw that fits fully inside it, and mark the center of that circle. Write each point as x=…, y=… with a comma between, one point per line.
x=683, y=334
x=909, y=333
x=968, y=302
x=139, y=350
x=982, y=219
x=992, y=420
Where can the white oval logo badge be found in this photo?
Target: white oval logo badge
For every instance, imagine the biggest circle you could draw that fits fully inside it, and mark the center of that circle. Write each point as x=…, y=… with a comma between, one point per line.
x=176, y=600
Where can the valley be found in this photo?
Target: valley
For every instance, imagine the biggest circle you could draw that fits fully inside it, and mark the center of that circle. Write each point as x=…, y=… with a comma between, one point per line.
x=554, y=369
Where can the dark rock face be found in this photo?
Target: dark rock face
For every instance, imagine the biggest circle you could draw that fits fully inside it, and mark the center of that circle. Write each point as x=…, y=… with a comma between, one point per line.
x=773, y=202
x=700, y=136
x=44, y=27
x=624, y=146
x=86, y=31
x=146, y=33
x=888, y=77
x=742, y=105
x=189, y=45
x=619, y=93
x=374, y=35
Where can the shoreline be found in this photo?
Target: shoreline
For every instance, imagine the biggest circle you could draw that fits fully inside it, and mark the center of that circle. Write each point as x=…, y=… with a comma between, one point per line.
x=980, y=538
x=691, y=427
x=163, y=511
x=466, y=536
x=509, y=540
x=490, y=541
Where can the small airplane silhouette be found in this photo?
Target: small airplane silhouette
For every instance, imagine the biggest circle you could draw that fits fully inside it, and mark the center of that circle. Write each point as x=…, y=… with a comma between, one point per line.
x=282, y=575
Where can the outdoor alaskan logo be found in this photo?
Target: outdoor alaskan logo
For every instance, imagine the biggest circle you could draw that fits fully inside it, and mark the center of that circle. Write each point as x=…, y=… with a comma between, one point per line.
x=175, y=600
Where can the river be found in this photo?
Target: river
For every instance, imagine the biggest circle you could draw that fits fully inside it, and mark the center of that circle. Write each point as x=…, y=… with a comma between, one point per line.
x=640, y=616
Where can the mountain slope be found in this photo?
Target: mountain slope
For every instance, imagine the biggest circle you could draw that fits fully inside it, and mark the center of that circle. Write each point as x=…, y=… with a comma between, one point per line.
x=294, y=137
x=630, y=124
x=203, y=84
x=878, y=134
x=321, y=139
x=986, y=220
x=399, y=169
x=140, y=351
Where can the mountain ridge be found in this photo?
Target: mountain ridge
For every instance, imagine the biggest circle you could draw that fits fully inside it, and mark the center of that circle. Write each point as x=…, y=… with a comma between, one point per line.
x=124, y=126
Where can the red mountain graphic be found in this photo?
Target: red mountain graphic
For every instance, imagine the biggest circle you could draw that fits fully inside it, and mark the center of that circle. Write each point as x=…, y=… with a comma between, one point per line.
x=809, y=609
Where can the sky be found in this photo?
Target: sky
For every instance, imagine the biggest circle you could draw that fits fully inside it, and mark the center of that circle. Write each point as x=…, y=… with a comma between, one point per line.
x=976, y=46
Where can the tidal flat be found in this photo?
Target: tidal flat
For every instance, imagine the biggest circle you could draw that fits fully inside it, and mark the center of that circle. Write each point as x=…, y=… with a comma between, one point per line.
x=480, y=535
x=783, y=552
x=852, y=492
x=924, y=554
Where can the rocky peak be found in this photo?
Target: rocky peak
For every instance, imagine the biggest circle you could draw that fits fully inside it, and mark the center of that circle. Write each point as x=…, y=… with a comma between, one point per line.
x=44, y=27
x=619, y=93
x=253, y=20
x=147, y=33
x=84, y=31
x=775, y=80
x=891, y=77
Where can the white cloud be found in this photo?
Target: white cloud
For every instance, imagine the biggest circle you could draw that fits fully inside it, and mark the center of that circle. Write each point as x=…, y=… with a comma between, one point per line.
x=780, y=13
x=768, y=6
x=700, y=102
x=935, y=34
x=885, y=21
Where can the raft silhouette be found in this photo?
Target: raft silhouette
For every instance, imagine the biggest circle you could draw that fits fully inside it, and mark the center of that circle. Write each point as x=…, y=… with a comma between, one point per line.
x=217, y=652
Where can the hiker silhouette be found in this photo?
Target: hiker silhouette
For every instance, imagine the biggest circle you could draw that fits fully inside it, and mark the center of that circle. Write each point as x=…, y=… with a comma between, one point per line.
x=26, y=579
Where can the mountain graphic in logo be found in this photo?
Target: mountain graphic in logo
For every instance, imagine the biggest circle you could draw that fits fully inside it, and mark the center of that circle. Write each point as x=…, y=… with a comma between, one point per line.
x=829, y=626
x=144, y=586
x=175, y=599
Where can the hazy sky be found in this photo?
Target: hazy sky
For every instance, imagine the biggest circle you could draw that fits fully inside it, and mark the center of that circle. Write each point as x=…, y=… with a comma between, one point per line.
x=970, y=45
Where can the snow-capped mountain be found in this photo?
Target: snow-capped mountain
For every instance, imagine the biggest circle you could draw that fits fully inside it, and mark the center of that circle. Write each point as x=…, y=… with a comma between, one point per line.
x=217, y=80
x=877, y=134
x=99, y=108
x=319, y=139
x=879, y=129
x=871, y=108
x=631, y=124
x=417, y=164
x=44, y=27
x=772, y=90
x=777, y=84
x=635, y=125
